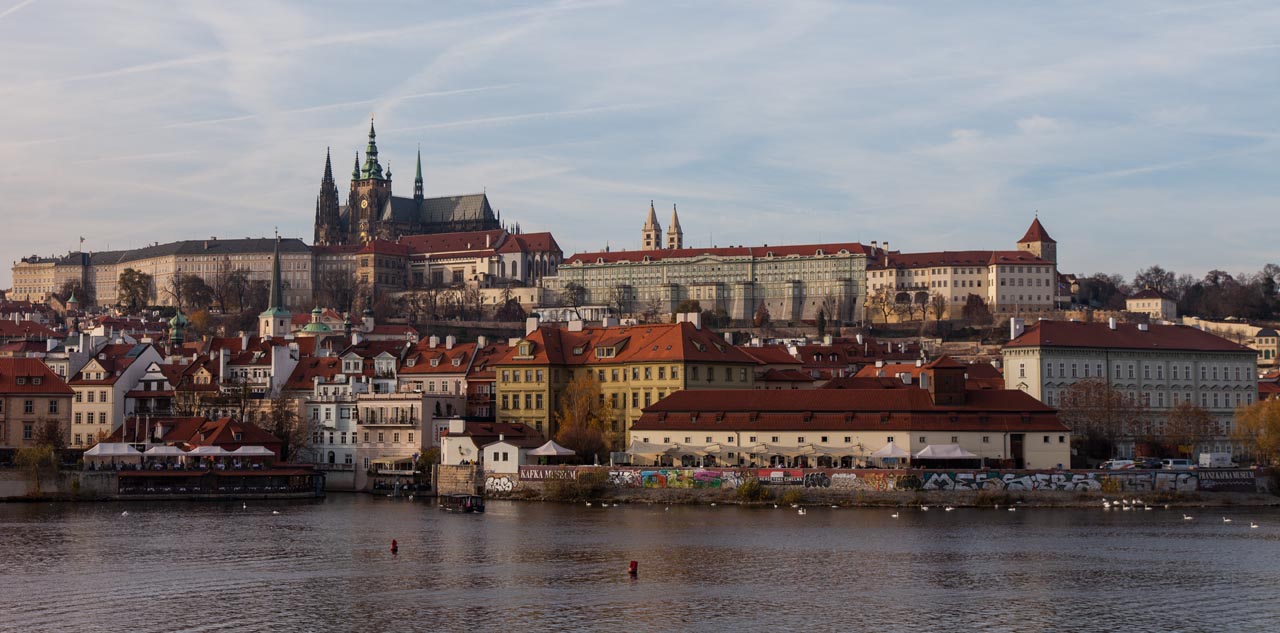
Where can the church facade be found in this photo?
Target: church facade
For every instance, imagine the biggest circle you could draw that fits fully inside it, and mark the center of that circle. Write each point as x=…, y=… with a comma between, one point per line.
x=372, y=213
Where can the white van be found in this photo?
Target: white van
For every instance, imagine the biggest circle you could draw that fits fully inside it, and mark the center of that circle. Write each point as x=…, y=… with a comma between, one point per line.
x=1117, y=464
x=1177, y=464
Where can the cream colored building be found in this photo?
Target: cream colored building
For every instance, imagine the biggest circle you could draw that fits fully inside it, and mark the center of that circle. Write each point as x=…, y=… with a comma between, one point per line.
x=1160, y=366
x=1152, y=303
x=100, y=389
x=1022, y=281
x=100, y=272
x=843, y=427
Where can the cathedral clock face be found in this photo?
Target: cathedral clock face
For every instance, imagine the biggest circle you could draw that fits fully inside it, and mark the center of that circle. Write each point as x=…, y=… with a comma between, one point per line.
x=364, y=204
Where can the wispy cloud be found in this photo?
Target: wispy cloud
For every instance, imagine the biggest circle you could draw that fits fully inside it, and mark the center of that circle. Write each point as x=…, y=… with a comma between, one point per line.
x=933, y=126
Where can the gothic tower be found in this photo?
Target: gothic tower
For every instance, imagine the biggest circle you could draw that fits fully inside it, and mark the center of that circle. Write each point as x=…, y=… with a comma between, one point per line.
x=675, y=235
x=651, y=235
x=417, y=179
x=327, y=230
x=370, y=193
x=1038, y=243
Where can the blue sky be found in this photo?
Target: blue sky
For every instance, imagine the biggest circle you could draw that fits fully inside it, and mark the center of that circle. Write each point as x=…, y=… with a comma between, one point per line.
x=1143, y=132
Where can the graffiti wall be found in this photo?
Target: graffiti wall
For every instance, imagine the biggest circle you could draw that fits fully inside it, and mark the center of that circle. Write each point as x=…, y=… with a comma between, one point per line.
x=901, y=480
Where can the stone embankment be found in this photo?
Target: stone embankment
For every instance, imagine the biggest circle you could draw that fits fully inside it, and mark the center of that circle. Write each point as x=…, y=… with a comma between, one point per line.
x=888, y=488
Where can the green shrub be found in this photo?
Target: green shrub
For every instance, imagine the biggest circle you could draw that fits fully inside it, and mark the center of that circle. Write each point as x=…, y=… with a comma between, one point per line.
x=795, y=495
x=752, y=490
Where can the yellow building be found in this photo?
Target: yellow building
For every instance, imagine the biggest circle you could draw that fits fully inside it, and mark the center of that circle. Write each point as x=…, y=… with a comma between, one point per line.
x=636, y=367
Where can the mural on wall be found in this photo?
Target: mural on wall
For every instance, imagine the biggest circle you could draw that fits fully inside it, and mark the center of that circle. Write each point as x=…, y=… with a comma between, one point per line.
x=688, y=478
x=890, y=480
x=500, y=484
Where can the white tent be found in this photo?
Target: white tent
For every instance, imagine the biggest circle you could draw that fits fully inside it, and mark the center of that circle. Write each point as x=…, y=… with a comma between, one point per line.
x=551, y=449
x=165, y=451
x=891, y=451
x=636, y=448
x=945, y=451
x=112, y=449
x=253, y=451
x=208, y=451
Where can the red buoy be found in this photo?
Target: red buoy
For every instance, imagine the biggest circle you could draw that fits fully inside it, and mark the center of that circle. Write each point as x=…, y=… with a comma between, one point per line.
x=634, y=568
x=394, y=547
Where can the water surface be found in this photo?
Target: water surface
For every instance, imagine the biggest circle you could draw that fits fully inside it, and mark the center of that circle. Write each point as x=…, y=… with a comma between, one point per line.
x=325, y=566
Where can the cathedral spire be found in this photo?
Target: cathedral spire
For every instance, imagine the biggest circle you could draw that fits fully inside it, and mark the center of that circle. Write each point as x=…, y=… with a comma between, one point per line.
x=675, y=235
x=355, y=171
x=277, y=291
x=327, y=180
x=417, y=179
x=651, y=234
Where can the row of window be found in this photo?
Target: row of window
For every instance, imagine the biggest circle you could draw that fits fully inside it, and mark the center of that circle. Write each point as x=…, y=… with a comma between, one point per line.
x=318, y=438
x=1094, y=370
x=89, y=395
x=531, y=401
x=102, y=418
x=1052, y=398
x=775, y=439
x=29, y=406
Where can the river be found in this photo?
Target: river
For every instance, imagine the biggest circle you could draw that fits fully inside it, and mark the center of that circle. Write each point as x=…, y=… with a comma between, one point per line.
x=326, y=566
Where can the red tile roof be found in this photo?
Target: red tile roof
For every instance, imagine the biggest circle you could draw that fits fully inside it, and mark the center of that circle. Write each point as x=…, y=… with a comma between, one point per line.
x=529, y=243
x=423, y=354
x=309, y=369
x=633, y=344
x=1150, y=293
x=483, y=433
x=384, y=247
x=784, y=375
x=1036, y=233
x=852, y=409
x=11, y=369
x=758, y=252
x=465, y=241
x=897, y=260
x=10, y=329
x=1125, y=336
x=770, y=354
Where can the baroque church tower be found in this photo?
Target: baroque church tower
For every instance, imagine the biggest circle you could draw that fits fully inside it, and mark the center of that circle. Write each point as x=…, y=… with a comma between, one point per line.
x=328, y=227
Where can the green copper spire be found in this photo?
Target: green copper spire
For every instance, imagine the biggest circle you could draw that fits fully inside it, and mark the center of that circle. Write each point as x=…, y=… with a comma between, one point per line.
x=355, y=171
x=372, y=170
x=417, y=180
x=276, y=306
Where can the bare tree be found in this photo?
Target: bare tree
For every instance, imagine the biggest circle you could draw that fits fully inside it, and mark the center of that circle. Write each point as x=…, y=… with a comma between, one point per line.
x=883, y=302
x=336, y=289
x=937, y=305
x=1100, y=416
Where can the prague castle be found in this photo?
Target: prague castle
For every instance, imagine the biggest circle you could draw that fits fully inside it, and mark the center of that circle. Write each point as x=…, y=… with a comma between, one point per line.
x=372, y=212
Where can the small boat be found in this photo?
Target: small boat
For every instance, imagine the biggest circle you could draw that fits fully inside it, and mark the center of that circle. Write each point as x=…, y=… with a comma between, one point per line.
x=462, y=503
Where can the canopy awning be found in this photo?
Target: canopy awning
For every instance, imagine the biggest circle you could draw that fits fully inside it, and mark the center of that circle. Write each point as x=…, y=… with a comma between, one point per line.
x=551, y=449
x=164, y=451
x=945, y=451
x=832, y=451
x=891, y=451
x=208, y=451
x=113, y=449
x=253, y=451
x=642, y=449
x=391, y=461
x=690, y=449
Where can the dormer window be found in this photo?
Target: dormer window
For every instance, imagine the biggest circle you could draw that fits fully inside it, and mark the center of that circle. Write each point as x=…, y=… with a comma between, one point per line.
x=606, y=352
x=36, y=380
x=435, y=362
x=22, y=380
x=457, y=362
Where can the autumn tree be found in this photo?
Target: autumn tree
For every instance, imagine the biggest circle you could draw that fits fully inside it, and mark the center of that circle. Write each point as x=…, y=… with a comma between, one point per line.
x=293, y=430
x=511, y=310
x=883, y=302
x=761, y=317
x=73, y=287
x=48, y=432
x=585, y=419
x=975, y=311
x=1187, y=426
x=133, y=289
x=937, y=305
x=1257, y=427
x=1099, y=417
x=194, y=293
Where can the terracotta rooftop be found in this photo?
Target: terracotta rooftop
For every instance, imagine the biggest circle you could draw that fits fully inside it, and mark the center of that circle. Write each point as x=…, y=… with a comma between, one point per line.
x=757, y=252
x=1124, y=336
x=1036, y=233
x=27, y=370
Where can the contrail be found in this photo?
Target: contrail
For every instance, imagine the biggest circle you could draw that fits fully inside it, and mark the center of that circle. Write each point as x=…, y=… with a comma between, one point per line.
x=4, y=14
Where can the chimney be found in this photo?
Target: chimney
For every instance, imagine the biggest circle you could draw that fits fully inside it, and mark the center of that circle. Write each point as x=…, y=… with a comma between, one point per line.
x=450, y=341
x=919, y=362
x=875, y=244
x=457, y=426
x=222, y=365
x=696, y=319
x=356, y=337
x=886, y=246
x=575, y=325
x=924, y=380
x=486, y=245
x=1111, y=323
x=826, y=339
x=481, y=341
x=502, y=437
x=1016, y=328
x=433, y=342
x=530, y=325
x=244, y=341
x=1143, y=327
x=879, y=362
x=609, y=322
x=859, y=339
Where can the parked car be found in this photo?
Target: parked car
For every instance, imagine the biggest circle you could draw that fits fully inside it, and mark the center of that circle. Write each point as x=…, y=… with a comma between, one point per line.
x=1177, y=464
x=1148, y=462
x=1117, y=464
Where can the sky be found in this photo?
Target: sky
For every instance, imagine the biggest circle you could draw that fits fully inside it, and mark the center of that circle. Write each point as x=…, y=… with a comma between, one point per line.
x=1141, y=132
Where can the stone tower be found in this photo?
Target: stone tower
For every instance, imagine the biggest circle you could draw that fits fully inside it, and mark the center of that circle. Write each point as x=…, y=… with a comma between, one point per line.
x=651, y=235
x=370, y=193
x=328, y=230
x=675, y=235
x=1038, y=243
